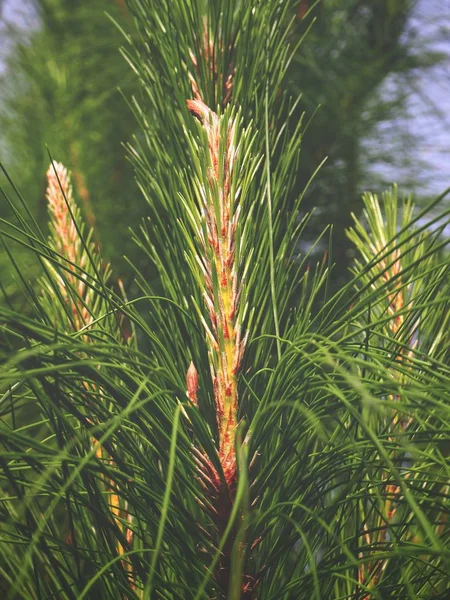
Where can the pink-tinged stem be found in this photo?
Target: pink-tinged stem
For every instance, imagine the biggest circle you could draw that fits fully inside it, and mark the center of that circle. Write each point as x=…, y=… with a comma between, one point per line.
x=223, y=333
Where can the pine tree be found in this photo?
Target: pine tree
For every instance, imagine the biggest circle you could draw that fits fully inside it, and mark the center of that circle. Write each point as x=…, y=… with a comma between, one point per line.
x=236, y=430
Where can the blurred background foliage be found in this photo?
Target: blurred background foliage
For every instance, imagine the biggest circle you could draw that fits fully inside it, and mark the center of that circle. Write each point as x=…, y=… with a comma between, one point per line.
x=60, y=89
x=353, y=49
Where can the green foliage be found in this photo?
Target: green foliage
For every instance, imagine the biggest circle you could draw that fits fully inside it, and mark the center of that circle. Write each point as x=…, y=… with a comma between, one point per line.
x=342, y=452
x=352, y=52
x=61, y=90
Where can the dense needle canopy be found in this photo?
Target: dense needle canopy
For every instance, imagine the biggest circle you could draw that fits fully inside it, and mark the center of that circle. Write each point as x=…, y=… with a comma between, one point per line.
x=233, y=429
